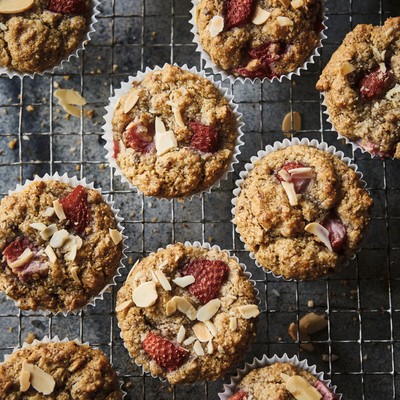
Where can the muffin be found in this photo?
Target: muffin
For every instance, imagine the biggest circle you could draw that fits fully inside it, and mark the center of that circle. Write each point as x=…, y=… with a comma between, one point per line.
x=281, y=381
x=187, y=313
x=36, y=35
x=259, y=38
x=60, y=246
x=174, y=133
x=60, y=370
x=361, y=84
x=301, y=211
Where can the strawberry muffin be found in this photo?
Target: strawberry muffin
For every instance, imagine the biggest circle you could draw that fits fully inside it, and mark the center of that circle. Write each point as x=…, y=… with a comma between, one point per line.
x=174, y=133
x=60, y=246
x=60, y=370
x=36, y=35
x=259, y=38
x=302, y=212
x=361, y=84
x=187, y=313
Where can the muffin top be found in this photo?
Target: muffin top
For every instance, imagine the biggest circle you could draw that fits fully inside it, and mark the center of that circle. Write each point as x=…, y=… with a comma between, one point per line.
x=362, y=88
x=259, y=38
x=187, y=313
x=281, y=381
x=63, y=370
x=302, y=211
x=39, y=35
x=60, y=245
x=174, y=133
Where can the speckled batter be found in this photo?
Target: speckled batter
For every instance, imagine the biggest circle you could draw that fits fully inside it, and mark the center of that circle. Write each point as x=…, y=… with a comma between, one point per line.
x=39, y=39
x=183, y=170
x=372, y=124
x=275, y=231
x=79, y=371
x=97, y=260
x=228, y=346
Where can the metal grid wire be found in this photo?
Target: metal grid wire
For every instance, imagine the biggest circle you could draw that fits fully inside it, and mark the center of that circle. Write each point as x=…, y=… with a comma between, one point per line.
x=362, y=302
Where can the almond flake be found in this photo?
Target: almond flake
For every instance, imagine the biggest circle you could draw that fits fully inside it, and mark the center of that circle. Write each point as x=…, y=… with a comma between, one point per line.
x=216, y=25
x=302, y=173
x=163, y=280
x=69, y=96
x=164, y=142
x=58, y=208
x=260, y=16
x=123, y=305
x=184, y=280
x=71, y=255
x=201, y=332
x=49, y=232
x=211, y=327
x=284, y=377
x=170, y=307
x=115, y=235
x=320, y=232
x=301, y=389
x=313, y=322
x=347, y=68
x=24, y=258
x=284, y=21
x=160, y=126
x=206, y=312
x=145, y=295
x=185, y=307
x=297, y=4
x=198, y=349
x=189, y=340
x=49, y=212
x=178, y=117
x=15, y=6
x=233, y=323
x=285, y=3
x=210, y=347
x=249, y=311
x=376, y=52
x=382, y=67
x=70, y=109
x=303, y=337
x=130, y=101
x=59, y=238
x=74, y=274
x=285, y=175
x=290, y=192
x=287, y=121
x=38, y=226
x=24, y=380
x=40, y=380
x=50, y=253
x=181, y=334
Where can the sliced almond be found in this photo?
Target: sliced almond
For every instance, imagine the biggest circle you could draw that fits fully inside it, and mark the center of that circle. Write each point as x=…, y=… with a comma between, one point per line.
x=74, y=274
x=130, y=101
x=288, y=125
x=58, y=208
x=210, y=347
x=320, y=232
x=59, y=238
x=303, y=337
x=201, y=332
x=382, y=67
x=38, y=226
x=249, y=311
x=71, y=109
x=184, y=280
x=163, y=280
x=313, y=322
x=376, y=53
x=285, y=175
x=254, y=65
x=24, y=380
x=206, y=312
x=145, y=295
x=50, y=253
x=160, y=126
x=181, y=334
x=48, y=212
x=170, y=307
x=185, y=307
x=260, y=16
x=24, y=258
x=284, y=21
x=178, y=117
x=115, y=235
x=284, y=377
x=301, y=389
x=40, y=380
x=285, y=3
x=347, y=68
x=302, y=173
x=165, y=141
x=290, y=192
x=211, y=327
x=123, y=305
x=216, y=25
x=297, y=4
x=71, y=255
x=49, y=231
x=198, y=348
x=69, y=96
x=189, y=340
x=233, y=323
x=15, y=6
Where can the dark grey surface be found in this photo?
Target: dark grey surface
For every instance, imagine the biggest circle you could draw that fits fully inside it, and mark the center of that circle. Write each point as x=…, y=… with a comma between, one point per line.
x=363, y=301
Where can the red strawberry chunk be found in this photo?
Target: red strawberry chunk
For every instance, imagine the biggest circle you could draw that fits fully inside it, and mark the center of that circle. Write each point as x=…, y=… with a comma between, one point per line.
x=138, y=139
x=327, y=394
x=116, y=148
x=35, y=267
x=205, y=138
x=375, y=84
x=209, y=276
x=238, y=12
x=300, y=184
x=241, y=395
x=16, y=248
x=374, y=148
x=76, y=7
x=76, y=208
x=337, y=233
x=259, y=73
x=268, y=52
x=164, y=352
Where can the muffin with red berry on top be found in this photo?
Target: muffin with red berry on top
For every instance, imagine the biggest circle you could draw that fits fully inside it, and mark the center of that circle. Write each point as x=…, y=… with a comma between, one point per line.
x=187, y=313
x=174, y=133
x=36, y=35
x=361, y=84
x=60, y=245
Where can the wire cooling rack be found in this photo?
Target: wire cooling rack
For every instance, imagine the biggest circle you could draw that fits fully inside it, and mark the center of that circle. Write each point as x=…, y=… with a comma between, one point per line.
x=360, y=350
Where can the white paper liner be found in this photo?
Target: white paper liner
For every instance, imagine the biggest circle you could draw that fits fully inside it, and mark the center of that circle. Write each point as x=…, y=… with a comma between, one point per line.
x=58, y=68
x=56, y=339
x=279, y=146
x=206, y=246
x=124, y=89
x=229, y=389
x=74, y=181
x=217, y=70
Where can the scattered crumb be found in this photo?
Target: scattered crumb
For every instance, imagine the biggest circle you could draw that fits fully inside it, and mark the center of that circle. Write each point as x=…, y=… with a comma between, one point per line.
x=102, y=167
x=149, y=204
x=30, y=108
x=115, y=67
x=67, y=77
x=12, y=144
x=130, y=260
x=5, y=111
x=56, y=85
x=78, y=168
x=10, y=329
x=275, y=292
x=132, y=215
x=155, y=219
x=310, y=303
x=30, y=338
x=153, y=35
x=210, y=239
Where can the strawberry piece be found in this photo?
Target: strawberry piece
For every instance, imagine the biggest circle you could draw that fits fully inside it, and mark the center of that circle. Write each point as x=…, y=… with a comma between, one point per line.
x=237, y=12
x=375, y=84
x=327, y=394
x=164, y=352
x=16, y=248
x=209, y=276
x=374, y=148
x=205, y=138
x=259, y=73
x=116, y=148
x=76, y=7
x=300, y=184
x=337, y=233
x=241, y=395
x=138, y=139
x=76, y=208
